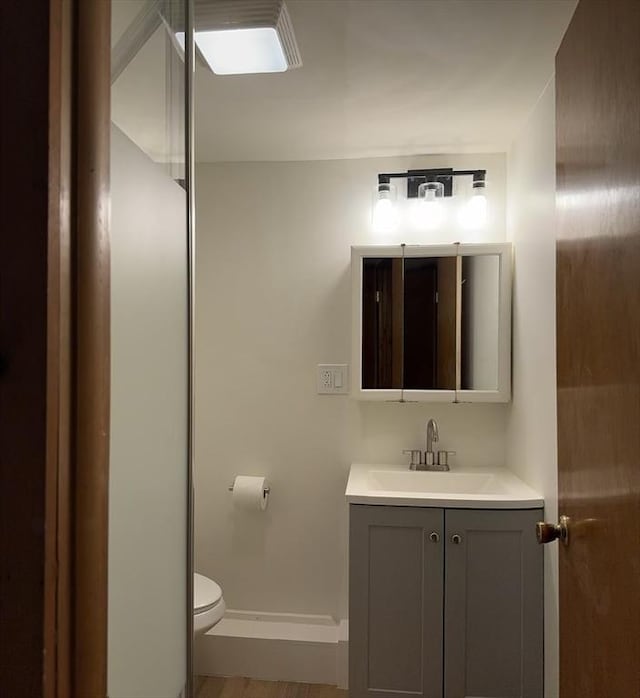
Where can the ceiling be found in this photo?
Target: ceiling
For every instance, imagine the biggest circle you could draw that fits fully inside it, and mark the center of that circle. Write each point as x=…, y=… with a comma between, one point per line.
x=383, y=77
x=388, y=77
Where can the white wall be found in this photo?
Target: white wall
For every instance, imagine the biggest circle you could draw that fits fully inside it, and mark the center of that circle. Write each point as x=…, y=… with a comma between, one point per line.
x=148, y=464
x=531, y=427
x=273, y=301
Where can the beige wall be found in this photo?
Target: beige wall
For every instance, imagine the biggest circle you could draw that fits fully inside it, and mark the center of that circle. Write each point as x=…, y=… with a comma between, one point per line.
x=531, y=426
x=273, y=301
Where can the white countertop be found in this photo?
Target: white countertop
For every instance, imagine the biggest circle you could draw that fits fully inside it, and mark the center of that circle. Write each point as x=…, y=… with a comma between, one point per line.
x=396, y=485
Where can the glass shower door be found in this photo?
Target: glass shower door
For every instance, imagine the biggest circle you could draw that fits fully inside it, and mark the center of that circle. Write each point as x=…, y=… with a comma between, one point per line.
x=149, y=509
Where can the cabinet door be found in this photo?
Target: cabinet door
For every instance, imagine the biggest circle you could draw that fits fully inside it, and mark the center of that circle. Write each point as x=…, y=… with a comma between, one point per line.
x=493, y=605
x=395, y=602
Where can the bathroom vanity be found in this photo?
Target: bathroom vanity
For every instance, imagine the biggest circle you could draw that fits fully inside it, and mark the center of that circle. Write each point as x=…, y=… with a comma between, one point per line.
x=445, y=585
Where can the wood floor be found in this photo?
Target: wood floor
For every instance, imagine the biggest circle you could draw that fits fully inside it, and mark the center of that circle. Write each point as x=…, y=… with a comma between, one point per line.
x=215, y=687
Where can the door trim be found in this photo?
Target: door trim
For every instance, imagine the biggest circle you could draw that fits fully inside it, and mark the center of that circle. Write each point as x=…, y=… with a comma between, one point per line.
x=92, y=346
x=58, y=475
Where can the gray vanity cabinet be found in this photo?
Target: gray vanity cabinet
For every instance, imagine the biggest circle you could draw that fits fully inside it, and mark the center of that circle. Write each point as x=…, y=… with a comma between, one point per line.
x=395, y=602
x=493, y=615
x=444, y=603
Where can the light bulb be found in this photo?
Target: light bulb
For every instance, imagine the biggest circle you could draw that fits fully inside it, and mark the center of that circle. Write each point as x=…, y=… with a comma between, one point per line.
x=474, y=213
x=427, y=213
x=385, y=215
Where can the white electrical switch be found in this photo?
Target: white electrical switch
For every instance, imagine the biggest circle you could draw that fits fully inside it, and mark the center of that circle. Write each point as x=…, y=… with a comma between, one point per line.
x=333, y=379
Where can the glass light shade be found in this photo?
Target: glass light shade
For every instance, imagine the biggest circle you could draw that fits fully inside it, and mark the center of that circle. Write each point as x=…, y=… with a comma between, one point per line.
x=473, y=213
x=242, y=51
x=428, y=211
x=385, y=215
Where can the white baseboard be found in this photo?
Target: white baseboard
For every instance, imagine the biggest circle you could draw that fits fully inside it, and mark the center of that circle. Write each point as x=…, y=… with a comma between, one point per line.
x=275, y=647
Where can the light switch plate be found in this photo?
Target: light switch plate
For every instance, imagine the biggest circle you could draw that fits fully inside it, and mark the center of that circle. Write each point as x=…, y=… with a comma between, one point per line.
x=333, y=379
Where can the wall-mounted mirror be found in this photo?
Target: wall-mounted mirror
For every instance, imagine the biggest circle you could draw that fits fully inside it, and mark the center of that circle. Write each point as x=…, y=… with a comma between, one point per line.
x=432, y=323
x=408, y=323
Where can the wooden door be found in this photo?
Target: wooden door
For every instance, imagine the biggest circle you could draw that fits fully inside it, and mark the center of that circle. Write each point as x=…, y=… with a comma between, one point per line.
x=395, y=602
x=598, y=323
x=493, y=604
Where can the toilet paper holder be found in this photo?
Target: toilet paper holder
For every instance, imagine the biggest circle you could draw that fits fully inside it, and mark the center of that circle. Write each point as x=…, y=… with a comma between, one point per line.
x=265, y=490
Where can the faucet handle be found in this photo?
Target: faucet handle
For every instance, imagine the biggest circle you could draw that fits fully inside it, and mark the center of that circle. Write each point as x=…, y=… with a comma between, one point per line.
x=415, y=457
x=443, y=457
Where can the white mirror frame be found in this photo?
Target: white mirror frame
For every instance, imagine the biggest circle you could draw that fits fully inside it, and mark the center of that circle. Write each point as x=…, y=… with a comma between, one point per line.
x=459, y=250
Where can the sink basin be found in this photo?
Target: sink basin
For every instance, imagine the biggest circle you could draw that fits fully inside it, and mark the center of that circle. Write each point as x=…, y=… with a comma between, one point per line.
x=398, y=486
x=446, y=483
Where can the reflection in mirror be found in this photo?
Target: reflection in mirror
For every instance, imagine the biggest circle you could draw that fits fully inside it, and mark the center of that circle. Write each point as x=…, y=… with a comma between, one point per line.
x=381, y=323
x=429, y=323
x=408, y=323
x=480, y=322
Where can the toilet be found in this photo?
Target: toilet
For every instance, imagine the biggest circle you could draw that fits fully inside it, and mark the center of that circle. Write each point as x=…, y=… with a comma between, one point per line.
x=208, y=604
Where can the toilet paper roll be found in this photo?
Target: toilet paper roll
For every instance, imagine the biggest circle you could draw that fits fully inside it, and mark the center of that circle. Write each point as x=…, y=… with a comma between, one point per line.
x=250, y=493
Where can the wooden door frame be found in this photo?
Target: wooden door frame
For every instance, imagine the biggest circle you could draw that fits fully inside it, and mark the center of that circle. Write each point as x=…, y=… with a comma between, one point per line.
x=58, y=484
x=92, y=343
x=54, y=348
x=78, y=350
x=27, y=118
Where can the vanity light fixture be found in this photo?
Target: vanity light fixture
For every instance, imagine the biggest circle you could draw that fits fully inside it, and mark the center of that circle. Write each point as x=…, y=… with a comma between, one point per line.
x=474, y=213
x=238, y=37
x=429, y=188
x=385, y=211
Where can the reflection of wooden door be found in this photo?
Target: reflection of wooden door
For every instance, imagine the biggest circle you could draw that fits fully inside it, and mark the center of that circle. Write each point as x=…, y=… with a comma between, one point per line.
x=382, y=301
x=446, y=330
x=420, y=323
x=598, y=277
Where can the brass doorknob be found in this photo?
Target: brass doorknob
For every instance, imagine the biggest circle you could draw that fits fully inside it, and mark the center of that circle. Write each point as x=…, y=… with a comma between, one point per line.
x=547, y=532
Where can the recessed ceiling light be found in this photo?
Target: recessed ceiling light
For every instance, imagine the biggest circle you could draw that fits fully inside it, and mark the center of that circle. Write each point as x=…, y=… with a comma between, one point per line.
x=237, y=51
x=245, y=36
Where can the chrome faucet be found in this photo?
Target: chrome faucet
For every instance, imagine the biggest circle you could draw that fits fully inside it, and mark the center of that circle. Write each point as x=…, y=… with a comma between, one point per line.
x=435, y=460
x=430, y=459
x=432, y=435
